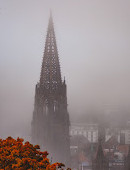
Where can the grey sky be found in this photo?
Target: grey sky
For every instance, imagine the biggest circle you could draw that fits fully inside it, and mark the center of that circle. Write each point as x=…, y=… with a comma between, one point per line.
x=93, y=40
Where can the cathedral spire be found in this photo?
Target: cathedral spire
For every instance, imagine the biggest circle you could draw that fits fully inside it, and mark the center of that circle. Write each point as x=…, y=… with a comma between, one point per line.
x=100, y=154
x=100, y=162
x=50, y=72
x=127, y=160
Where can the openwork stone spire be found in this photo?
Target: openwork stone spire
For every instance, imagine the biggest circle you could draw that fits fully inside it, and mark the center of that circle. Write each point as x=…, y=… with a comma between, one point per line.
x=50, y=72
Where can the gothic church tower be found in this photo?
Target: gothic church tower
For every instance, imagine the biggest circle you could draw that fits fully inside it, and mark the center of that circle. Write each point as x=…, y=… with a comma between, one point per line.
x=50, y=124
x=100, y=161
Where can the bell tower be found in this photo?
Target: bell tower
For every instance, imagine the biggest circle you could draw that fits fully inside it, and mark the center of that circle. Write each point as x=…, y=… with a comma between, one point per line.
x=50, y=124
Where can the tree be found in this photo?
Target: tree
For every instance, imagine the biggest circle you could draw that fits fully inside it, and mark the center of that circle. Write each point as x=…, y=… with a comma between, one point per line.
x=16, y=155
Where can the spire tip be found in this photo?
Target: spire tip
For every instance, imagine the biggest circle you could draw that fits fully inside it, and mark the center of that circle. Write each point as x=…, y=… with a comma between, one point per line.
x=50, y=13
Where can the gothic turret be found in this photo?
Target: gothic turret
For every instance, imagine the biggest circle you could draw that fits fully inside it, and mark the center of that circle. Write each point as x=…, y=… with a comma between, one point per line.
x=50, y=125
x=100, y=162
x=127, y=160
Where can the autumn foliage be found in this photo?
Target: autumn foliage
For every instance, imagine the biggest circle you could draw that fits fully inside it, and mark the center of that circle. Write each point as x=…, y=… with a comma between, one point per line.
x=16, y=155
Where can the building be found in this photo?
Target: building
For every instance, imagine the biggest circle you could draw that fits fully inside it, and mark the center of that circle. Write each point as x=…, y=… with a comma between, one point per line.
x=125, y=135
x=89, y=131
x=83, y=140
x=50, y=124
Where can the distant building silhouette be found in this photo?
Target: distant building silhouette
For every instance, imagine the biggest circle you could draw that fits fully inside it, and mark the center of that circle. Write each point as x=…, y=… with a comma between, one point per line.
x=88, y=130
x=101, y=133
x=100, y=162
x=50, y=125
x=127, y=160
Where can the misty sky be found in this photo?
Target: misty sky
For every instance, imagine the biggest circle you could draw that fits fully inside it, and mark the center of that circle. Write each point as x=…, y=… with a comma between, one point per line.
x=93, y=38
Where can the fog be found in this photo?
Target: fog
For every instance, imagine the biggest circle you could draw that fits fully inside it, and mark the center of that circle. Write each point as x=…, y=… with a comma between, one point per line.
x=93, y=40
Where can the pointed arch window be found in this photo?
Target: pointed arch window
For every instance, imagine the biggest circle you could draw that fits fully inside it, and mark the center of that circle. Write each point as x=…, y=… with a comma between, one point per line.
x=46, y=107
x=55, y=105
